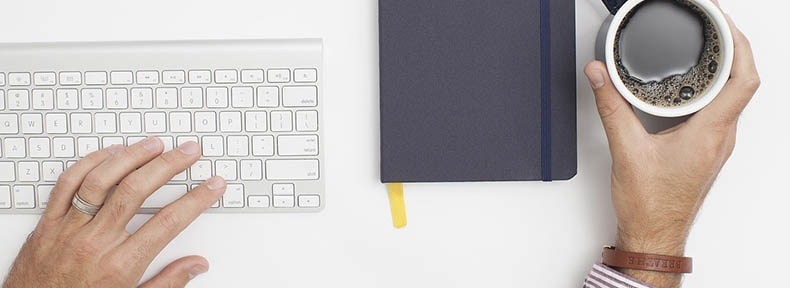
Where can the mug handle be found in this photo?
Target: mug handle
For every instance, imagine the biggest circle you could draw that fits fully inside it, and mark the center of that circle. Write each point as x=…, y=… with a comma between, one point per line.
x=613, y=5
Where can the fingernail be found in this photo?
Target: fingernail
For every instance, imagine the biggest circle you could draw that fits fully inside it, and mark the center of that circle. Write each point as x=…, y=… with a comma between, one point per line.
x=596, y=78
x=115, y=148
x=189, y=148
x=152, y=144
x=215, y=183
x=197, y=270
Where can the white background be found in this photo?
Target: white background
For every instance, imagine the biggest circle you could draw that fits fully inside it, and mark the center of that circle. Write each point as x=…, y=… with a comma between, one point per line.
x=459, y=235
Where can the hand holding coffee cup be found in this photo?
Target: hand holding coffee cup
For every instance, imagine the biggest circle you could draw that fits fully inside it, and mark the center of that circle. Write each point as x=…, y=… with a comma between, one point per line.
x=668, y=58
x=659, y=181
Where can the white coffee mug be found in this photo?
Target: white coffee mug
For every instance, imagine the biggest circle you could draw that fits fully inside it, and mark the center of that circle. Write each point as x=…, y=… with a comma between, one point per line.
x=605, y=51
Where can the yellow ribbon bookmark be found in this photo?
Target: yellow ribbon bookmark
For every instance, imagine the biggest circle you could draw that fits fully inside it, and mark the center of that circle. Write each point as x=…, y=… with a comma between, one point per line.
x=397, y=204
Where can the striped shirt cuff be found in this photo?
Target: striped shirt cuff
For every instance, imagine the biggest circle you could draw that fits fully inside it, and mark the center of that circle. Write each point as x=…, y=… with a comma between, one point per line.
x=602, y=276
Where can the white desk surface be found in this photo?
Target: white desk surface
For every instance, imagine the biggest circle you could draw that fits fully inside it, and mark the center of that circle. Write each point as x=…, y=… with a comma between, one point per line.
x=459, y=235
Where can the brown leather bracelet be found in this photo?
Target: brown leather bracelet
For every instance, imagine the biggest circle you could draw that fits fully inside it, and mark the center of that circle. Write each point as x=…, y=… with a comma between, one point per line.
x=649, y=262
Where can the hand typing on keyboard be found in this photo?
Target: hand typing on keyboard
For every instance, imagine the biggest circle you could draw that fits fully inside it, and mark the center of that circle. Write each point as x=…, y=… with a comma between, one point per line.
x=81, y=239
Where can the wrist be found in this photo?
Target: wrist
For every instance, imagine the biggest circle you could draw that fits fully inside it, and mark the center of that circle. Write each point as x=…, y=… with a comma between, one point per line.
x=667, y=242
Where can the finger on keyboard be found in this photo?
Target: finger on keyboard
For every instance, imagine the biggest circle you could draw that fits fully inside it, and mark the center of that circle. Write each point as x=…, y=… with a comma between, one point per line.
x=155, y=234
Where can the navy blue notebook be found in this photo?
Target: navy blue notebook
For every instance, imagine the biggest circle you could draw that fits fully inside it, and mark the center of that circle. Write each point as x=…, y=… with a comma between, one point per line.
x=477, y=90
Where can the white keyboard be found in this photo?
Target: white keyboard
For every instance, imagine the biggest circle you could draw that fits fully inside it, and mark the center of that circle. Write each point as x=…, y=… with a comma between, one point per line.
x=253, y=106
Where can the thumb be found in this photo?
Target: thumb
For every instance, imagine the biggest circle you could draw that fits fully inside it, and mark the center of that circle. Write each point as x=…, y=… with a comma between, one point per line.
x=178, y=273
x=619, y=120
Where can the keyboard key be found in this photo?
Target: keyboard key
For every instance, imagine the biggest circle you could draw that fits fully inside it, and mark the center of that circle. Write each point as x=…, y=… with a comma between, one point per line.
x=32, y=123
x=263, y=145
x=279, y=75
x=164, y=196
x=252, y=76
x=121, y=78
x=217, y=97
x=238, y=146
x=18, y=100
x=307, y=121
x=81, y=123
x=28, y=171
x=19, y=79
x=242, y=97
x=205, y=122
x=191, y=97
x=134, y=140
x=297, y=145
x=281, y=121
x=167, y=143
x=155, y=122
x=67, y=99
x=200, y=171
x=44, y=191
x=9, y=172
x=234, y=196
x=255, y=121
x=283, y=201
x=5, y=196
x=226, y=169
x=39, y=147
x=87, y=145
x=92, y=99
x=166, y=98
x=63, y=147
x=283, y=189
x=9, y=124
x=292, y=169
x=226, y=76
x=24, y=197
x=2, y=100
x=70, y=78
x=213, y=146
x=142, y=98
x=180, y=122
x=309, y=201
x=230, y=121
x=173, y=77
x=2, y=79
x=56, y=123
x=255, y=201
x=147, y=77
x=251, y=170
x=300, y=96
x=105, y=123
x=44, y=78
x=14, y=148
x=184, y=139
x=96, y=78
x=305, y=75
x=200, y=77
x=117, y=98
x=43, y=99
x=109, y=141
x=268, y=97
x=51, y=170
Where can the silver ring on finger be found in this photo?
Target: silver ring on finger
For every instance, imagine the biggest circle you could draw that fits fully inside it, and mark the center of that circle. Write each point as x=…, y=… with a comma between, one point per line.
x=85, y=207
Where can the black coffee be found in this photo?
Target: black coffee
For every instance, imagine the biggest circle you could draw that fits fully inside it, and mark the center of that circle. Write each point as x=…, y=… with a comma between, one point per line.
x=667, y=52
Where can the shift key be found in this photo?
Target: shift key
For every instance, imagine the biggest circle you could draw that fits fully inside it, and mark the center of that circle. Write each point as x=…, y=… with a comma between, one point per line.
x=306, y=169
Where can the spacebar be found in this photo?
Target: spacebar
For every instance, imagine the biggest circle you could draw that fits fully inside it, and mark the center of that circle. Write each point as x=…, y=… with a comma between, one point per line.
x=165, y=195
x=292, y=169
